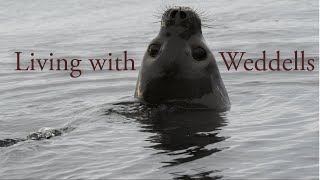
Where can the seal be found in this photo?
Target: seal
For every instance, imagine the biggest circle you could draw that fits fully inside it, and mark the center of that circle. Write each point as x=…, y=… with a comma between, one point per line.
x=178, y=66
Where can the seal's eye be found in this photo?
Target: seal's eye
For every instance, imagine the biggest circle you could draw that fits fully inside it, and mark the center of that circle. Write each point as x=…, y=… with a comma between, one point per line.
x=153, y=50
x=199, y=54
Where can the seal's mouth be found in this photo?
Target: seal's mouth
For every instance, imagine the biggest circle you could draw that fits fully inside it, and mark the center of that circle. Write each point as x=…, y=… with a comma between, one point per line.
x=181, y=17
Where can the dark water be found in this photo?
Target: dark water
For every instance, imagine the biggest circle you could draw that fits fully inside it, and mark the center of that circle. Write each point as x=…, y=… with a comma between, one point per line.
x=271, y=130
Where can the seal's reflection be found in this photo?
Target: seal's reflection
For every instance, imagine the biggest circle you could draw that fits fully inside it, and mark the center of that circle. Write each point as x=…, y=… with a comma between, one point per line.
x=184, y=133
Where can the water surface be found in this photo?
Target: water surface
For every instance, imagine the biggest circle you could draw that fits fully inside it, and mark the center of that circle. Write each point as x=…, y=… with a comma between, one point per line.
x=271, y=130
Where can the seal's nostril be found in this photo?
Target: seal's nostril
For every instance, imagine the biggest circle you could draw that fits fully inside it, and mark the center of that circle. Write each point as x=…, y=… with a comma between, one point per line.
x=173, y=13
x=183, y=15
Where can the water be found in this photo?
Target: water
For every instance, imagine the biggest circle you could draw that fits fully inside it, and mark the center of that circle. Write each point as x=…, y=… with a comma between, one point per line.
x=271, y=130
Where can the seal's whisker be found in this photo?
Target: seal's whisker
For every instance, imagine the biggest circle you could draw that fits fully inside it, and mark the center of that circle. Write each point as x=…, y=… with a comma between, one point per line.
x=203, y=15
x=158, y=16
x=208, y=26
x=161, y=10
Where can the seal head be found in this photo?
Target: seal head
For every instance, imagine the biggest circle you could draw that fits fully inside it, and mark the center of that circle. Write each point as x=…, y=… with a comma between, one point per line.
x=178, y=66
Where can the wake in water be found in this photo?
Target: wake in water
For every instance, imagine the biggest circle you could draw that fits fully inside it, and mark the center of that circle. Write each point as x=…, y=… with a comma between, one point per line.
x=128, y=109
x=43, y=133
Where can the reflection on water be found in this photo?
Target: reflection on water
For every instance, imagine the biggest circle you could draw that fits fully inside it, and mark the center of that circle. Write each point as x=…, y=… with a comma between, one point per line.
x=186, y=135
x=273, y=124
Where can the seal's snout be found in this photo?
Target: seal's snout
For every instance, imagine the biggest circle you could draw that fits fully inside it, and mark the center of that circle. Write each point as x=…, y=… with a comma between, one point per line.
x=181, y=17
x=178, y=14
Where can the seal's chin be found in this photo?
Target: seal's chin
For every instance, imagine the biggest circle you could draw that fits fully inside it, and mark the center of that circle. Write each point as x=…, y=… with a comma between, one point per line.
x=163, y=90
